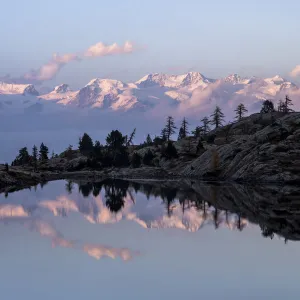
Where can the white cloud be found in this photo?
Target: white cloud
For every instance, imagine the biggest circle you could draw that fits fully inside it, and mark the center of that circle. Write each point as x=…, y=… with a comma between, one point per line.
x=50, y=69
x=100, y=49
x=296, y=71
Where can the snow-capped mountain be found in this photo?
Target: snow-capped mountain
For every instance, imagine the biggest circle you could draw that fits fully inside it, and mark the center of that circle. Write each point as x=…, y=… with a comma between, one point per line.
x=191, y=92
x=17, y=89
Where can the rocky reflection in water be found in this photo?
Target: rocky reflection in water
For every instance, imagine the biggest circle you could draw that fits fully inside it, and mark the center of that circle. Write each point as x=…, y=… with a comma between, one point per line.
x=191, y=205
x=187, y=205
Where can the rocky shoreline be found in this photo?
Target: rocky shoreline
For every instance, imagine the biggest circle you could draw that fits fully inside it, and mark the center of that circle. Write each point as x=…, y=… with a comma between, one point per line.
x=262, y=148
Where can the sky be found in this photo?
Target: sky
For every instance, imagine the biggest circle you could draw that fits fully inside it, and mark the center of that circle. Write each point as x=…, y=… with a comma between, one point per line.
x=216, y=38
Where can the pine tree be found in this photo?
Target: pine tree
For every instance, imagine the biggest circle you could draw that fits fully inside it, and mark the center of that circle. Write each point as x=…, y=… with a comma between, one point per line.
x=22, y=158
x=217, y=117
x=169, y=128
x=149, y=140
x=35, y=156
x=205, y=125
x=130, y=140
x=183, y=131
x=163, y=135
x=86, y=145
x=116, y=144
x=197, y=132
x=97, y=151
x=288, y=102
x=43, y=152
x=267, y=107
x=281, y=106
x=240, y=111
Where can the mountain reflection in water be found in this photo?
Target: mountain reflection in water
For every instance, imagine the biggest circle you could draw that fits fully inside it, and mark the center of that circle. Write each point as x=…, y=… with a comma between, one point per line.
x=187, y=205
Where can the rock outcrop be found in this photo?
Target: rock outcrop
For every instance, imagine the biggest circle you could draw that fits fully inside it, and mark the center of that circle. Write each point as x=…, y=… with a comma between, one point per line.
x=259, y=148
x=254, y=151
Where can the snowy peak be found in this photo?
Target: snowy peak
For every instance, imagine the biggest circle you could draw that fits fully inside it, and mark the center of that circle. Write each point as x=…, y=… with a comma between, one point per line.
x=236, y=79
x=195, y=78
x=106, y=84
x=173, y=81
x=60, y=89
x=275, y=80
x=17, y=89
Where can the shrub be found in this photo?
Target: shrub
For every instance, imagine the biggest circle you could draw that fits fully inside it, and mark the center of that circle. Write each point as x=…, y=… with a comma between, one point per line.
x=170, y=151
x=136, y=160
x=148, y=158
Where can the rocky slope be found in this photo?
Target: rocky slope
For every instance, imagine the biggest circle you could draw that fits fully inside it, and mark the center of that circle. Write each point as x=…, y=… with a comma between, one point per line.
x=260, y=148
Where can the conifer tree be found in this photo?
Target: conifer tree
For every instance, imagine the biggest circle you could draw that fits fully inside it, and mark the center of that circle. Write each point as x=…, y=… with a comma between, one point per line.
x=130, y=140
x=163, y=135
x=183, y=131
x=240, y=111
x=86, y=144
x=197, y=131
x=169, y=128
x=35, y=156
x=287, y=103
x=267, y=107
x=205, y=128
x=281, y=106
x=97, y=150
x=43, y=152
x=149, y=140
x=217, y=117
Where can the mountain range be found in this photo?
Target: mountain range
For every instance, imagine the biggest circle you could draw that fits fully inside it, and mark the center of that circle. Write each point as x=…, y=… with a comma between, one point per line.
x=190, y=92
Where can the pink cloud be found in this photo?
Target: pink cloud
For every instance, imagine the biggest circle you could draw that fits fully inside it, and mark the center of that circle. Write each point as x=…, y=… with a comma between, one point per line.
x=100, y=49
x=296, y=71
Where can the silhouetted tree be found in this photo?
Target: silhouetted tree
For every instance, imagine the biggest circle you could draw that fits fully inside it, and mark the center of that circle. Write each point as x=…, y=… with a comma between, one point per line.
x=217, y=117
x=136, y=160
x=149, y=140
x=43, y=153
x=116, y=145
x=129, y=141
x=183, y=131
x=205, y=128
x=197, y=132
x=267, y=107
x=287, y=103
x=34, y=157
x=169, y=128
x=281, y=106
x=23, y=157
x=86, y=145
x=97, y=151
x=240, y=111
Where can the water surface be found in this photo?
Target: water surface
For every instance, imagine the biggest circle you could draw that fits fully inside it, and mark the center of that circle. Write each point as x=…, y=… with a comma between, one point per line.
x=153, y=240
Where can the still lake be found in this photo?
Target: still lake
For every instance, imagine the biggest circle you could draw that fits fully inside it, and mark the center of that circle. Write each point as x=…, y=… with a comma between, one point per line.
x=149, y=240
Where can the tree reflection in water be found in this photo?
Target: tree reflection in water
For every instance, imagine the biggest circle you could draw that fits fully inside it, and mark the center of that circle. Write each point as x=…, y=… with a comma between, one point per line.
x=216, y=200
